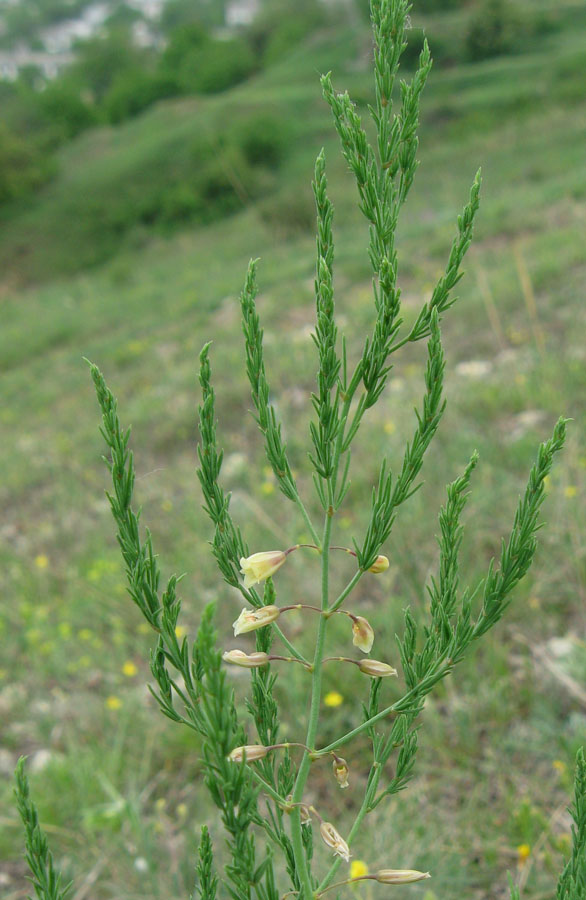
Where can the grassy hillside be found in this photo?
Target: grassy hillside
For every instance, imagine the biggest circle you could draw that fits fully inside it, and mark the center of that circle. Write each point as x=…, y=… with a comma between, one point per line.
x=119, y=785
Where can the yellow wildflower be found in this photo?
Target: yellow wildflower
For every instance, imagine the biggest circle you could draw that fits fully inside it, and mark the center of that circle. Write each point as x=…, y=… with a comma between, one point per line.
x=333, y=698
x=129, y=669
x=113, y=702
x=41, y=561
x=358, y=869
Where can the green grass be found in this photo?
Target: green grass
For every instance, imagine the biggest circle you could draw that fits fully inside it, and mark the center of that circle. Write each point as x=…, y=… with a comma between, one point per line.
x=122, y=784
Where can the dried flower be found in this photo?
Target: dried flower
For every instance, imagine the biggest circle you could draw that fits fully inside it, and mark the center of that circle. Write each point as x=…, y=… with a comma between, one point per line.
x=340, y=768
x=246, y=660
x=363, y=634
x=400, y=876
x=260, y=566
x=248, y=753
x=381, y=564
x=334, y=840
x=251, y=619
x=375, y=668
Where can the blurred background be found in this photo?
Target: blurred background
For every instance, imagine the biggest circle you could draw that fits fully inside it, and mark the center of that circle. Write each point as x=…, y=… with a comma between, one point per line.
x=148, y=150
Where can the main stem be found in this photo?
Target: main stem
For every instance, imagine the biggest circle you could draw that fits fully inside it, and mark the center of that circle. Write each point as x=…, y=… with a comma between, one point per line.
x=296, y=835
x=300, y=859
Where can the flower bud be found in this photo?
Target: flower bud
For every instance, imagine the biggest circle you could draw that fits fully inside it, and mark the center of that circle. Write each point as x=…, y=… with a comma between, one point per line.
x=400, y=876
x=375, y=668
x=251, y=619
x=260, y=566
x=248, y=753
x=363, y=634
x=340, y=768
x=334, y=840
x=246, y=660
x=381, y=564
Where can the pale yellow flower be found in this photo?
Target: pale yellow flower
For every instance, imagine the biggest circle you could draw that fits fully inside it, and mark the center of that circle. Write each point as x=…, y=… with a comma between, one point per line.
x=251, y=619
x=570, y=491
x=340, y=768
x=248, y=752
x=260, y=566
x=381, y=564
x=333, y=698
x=375, y=668
x=246, y=660
x=358, y=869
x=41, y=561
x=363, y=635
x=129, y=669
x=400, y=876
x=334, y=840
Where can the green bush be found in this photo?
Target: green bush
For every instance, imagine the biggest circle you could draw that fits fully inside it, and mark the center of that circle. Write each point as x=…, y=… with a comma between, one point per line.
x=23, y=166
x=494, y=29
x=134, y=91
x=66, y=112
x=197, y=63
x=280, y=27
x=263, y=140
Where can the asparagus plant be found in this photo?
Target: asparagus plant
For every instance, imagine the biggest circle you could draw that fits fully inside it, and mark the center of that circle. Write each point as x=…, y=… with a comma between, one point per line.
x=259, y=783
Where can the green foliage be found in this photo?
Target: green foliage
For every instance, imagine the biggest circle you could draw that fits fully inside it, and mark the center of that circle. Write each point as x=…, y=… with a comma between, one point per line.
x=46, y=878
x=384, y=174
x=67, y=113
x=23, y=166
x=281, y=25
x=572, y=883
x=199, y=63
x=101, y=61
x=494, y=29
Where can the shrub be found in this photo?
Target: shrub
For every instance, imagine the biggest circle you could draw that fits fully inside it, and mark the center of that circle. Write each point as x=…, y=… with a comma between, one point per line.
x=264, y=139
x=493, y=30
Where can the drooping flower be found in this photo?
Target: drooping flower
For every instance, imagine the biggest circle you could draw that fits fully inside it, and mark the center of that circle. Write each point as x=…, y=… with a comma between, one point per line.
x=400, y=876
x=251, y=619
x=248, y=753
x=261, y=566
x=381, y=564
x=246, y=660
x=334, y=840
x=375, y=668
x=340, y=768
x=363, y=635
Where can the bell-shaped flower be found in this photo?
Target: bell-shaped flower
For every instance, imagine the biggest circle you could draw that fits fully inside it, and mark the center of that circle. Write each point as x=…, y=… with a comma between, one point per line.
x=249, y=752
x=363, y=635
x=340, y=768
x=376, y=669
x=246, y=660
x=251, y=619
x=400, y=876
x=334, y=840
x=381, y=564
x=261, y=566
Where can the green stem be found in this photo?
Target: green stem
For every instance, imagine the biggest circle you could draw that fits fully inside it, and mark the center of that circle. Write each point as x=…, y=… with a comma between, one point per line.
x=347, y=590
x=266, y=787
x=308, y=521
x=290, y=646
x=300, y=859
